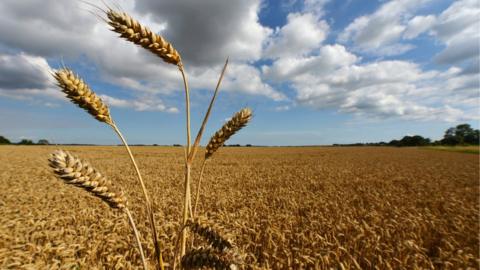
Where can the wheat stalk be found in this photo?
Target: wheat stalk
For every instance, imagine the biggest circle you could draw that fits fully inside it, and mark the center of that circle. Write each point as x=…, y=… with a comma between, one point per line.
x=133, y=31
x=81, y=94
x=75, y=171
x=205, y=257
x=238, y=121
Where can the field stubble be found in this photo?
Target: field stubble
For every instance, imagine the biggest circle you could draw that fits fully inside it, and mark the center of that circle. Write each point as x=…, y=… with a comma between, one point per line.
x=286, y=208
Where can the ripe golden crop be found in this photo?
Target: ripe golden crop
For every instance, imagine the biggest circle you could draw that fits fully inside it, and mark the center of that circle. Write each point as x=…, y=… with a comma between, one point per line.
x=285, y=208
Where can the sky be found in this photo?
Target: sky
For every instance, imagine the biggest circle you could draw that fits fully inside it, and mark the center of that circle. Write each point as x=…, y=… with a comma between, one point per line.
x=314, y=72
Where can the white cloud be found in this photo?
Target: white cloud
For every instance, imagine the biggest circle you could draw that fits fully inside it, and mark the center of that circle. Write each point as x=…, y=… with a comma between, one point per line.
x=329, y=58
x=459, y=17
x=321, y=76
x=24, y=76
x=203, y=40
x=384, y=27
x=387, y=89
x=300, y=35
x=418, y=25
x=247, y=79
x=458, y=28
x=145, y=104
x=206, y=32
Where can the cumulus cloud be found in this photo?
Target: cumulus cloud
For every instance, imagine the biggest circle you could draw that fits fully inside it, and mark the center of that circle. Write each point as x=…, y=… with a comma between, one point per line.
x=387, y=89
x=205, y=32
x=300, y=35
x=68, y=30
x=418, y=25
x=23, y=75
x=458, y=28
x=319, y=74
x=384, y=27
x=329, y=58
x=145, y=104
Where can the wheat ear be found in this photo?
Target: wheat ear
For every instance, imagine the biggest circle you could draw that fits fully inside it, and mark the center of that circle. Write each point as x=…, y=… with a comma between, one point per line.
x=238, y=121
x=133, y=31
x=205, y=257
x=80, y=173
x=81, y=94
x=209, y=234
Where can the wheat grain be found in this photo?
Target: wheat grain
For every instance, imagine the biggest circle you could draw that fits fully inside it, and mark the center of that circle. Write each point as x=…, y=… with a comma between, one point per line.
x=238, y=121
x=81, y=94
x=133, y=31
x=77, y=172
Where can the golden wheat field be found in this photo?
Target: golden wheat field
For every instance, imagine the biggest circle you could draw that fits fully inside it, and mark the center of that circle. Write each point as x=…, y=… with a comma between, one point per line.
x=284, y=208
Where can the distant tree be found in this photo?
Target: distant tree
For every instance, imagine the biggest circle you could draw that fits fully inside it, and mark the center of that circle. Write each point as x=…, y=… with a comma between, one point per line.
x=416, y=140
x=394, y=143
x=43, y=142
x=4, y=140
x=461, y=134
x=26, y=142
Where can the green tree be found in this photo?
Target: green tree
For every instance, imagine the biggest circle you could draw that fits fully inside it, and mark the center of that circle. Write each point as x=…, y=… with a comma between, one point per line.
x=26, y=142
x=43, y=142
x=4, y=140
x=461, y=134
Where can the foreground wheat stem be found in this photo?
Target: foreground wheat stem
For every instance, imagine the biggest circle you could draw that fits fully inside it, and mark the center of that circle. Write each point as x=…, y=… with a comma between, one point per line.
x=188, y=164
x=196, y=144
x=158, y=252
x=137, y=237
x=207, y=115
x=199, y=183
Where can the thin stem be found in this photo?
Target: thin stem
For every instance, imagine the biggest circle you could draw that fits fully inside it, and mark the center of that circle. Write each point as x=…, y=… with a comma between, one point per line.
x=186, y=200
x=185, y=209
x=158, y=252
x=140, y=179
x=207, y=114
x=175, y=250
x=197, y=195
x=137, y=238
x=187, y=106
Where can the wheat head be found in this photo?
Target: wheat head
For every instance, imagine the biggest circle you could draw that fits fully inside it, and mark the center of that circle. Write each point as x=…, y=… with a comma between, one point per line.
x=238, y=121
x=210, y=234
x=81, y=94
x=133, y=31
x=205, y=257
x=79, y=173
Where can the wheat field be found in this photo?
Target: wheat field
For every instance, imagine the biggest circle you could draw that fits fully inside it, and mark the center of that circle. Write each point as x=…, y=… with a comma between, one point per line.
x=285, y=208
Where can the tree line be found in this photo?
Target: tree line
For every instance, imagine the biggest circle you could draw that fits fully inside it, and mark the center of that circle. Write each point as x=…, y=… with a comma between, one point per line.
x=462, y=134
x=4, y=140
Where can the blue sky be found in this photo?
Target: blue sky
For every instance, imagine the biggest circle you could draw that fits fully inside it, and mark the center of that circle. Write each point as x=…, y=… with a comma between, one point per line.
x=313, y=71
